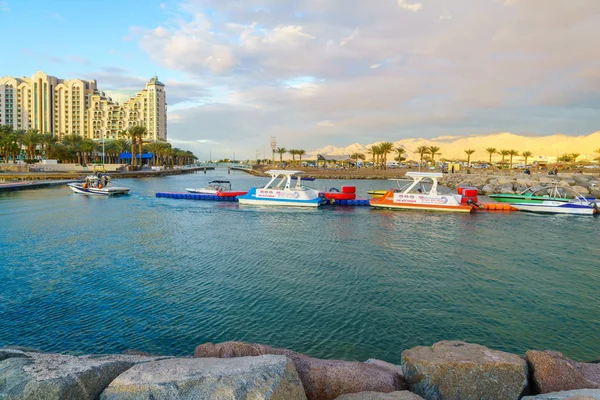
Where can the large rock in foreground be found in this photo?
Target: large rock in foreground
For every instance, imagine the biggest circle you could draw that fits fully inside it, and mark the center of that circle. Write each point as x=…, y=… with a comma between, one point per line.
x=459, y=370
x=322, y=379
x=56, y=376
x=267, y=377
x=402, y=395
x=583, y=394
x=553, y=372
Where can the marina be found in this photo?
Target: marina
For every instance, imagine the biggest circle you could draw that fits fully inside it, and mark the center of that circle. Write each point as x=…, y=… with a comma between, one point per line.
x=342, y=281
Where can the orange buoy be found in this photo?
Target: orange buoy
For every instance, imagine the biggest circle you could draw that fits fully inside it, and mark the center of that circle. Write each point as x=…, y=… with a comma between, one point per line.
x=491, y=207
x=99, y=186
x=507, y=207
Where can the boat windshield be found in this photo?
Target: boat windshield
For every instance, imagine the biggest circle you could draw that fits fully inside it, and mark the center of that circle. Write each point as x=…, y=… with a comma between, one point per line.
x=556, y=192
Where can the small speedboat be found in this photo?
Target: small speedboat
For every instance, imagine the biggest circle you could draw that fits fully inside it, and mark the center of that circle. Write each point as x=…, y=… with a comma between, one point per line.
x=415, y=196
x=214, y=187
x=539, y=194
x=99, y=184
x=576, y=204
x=347, y=193
x=279, y=191
x=376, y=193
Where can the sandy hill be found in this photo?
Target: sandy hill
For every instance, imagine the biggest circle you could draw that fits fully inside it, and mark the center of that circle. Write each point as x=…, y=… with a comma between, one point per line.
x=453, y=147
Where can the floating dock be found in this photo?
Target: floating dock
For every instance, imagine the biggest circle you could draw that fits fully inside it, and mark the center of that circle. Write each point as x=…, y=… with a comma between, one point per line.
x=10, y=187
x=208, y=197
x=195, y=196
x=353, y=203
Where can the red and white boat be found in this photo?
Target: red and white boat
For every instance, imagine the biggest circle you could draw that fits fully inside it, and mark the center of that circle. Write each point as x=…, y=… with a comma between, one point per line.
x=415, y=196
x=218, y=188
x=347, y=193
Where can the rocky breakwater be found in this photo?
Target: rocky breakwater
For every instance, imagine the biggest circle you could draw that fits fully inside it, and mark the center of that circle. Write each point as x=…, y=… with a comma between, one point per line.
x=236, y=370
x=489, y=183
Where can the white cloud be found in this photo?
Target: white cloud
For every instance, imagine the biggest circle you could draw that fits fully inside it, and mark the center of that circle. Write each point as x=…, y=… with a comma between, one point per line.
x=529, y=67
x=409, y=6
x=325, y=124
x=4, y=6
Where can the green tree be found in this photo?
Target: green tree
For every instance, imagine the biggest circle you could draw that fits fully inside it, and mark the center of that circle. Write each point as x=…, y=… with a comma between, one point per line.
x=469, y=152
x=374, y=151
x=30, y=140
x=492, y=151
x=597, y=151
x=401, y=152
x=356, y=157
x=47, y=140
x=300, y=153
x=433, y=150
x=574, y=156
x=526, y=155
x=87, y=148
x=293, y=152
x=504, y=153
x=73, y=142
x=385, y=148
x=512, y=153
x=281, y=151
x=422, y=151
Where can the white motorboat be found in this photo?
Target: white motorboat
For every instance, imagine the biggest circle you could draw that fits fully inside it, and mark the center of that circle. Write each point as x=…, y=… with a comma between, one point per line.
x=213, y=188
x=416, y=196
x=280, y=192
x=578, y=205
x=100, y=185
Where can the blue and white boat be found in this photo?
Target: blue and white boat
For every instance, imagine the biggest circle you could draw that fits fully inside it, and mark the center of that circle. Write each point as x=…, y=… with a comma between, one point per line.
x=280, y=192
x=577, y=205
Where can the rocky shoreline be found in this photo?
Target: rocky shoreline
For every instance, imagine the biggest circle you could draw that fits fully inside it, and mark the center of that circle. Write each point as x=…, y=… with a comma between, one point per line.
x=489, y=183
x=237, y=370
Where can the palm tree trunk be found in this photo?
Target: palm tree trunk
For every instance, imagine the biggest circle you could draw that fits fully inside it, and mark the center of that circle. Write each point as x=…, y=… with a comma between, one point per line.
x=132, y=152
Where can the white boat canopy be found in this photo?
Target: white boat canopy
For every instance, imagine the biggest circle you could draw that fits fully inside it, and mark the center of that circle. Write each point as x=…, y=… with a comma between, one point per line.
x=286, y=179
x=282, y=172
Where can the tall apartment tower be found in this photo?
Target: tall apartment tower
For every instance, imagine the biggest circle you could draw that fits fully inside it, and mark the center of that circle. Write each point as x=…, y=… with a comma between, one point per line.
x=75, y=106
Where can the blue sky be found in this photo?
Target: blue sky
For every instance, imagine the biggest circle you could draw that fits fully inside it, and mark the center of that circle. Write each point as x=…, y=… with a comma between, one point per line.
x=316, y=73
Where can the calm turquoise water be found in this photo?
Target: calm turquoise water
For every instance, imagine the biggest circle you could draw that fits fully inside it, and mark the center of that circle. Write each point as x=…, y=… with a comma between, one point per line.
x=88, y=274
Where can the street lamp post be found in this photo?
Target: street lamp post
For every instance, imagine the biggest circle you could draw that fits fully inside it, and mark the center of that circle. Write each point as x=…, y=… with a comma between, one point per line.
x=102, y=148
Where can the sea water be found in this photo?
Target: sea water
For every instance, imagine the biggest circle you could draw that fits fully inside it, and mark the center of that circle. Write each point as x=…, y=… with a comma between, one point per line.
x=86, y=274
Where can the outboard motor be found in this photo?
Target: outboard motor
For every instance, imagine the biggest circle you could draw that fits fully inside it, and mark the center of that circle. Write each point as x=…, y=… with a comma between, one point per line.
x=468, y=195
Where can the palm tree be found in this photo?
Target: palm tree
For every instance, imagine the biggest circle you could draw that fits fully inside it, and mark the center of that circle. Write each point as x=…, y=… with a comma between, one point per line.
x=357, y=156
x=385, y=148
x=512, y=153
x=300, y=153
x=492, y=151
x=597, y=151
x=374, y=151
x=401, y=151
x=504, y=153
x=31, y=139
x=281, y=151
x=87, y=148
x=293, y=152
x=469, y=152
x=47, y=140
x=526, y=155
x=73, y=142
x=422, y=151
x=574, y=156
x=433, y=150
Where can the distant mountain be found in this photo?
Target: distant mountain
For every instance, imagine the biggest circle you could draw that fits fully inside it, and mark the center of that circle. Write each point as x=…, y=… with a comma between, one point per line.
x=453, y=147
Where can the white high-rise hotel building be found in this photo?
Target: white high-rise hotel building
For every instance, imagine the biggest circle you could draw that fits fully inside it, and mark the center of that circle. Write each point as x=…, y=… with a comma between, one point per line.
x=74, y=106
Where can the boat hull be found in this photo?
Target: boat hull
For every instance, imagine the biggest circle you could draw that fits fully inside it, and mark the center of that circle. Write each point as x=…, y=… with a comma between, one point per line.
x=421, y=207
x=339, y=196
x=230, y=194
x=110, y=191
x=288, y=198
x=202, y=191
x=556, y=207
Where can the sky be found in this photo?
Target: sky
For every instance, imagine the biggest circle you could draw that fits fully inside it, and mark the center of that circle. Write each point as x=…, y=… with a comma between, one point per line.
x=325, y=72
